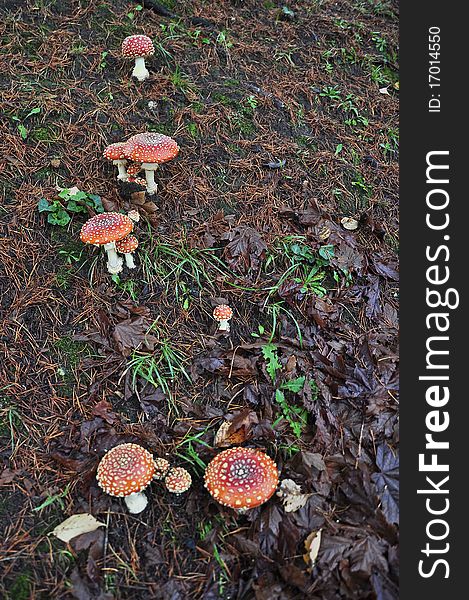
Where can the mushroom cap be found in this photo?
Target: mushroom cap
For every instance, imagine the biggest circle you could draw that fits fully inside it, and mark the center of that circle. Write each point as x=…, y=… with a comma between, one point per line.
x=115, y=151
x=151, y=147
x=127, y=245
x=125, y=469
x=134, y=215
x=105, y=228
x=134, y=169
x=138, y=180
x=178, y=480
x=136, y=46
x=161, y=468
x=241, y=477
x=222, y=312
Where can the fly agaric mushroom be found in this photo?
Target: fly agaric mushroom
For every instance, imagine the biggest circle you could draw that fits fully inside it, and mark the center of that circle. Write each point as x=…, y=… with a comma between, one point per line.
x=134, y=215
x=241, y=478
x=125, y=471
x=138, y=47
x=151, y=149
x=161, y=468
x=178, y=480
x=222, y=313
x=127, y=246
x=134, y=169
x=115, y=152
x=105, y=230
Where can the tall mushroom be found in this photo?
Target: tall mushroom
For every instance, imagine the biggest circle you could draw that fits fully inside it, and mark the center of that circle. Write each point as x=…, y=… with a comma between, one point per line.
x=105, y=230
x=241, y=478
x=127, y=247
x=138, y=47
x=125, y=471
x=151, y=149
x=115, y=152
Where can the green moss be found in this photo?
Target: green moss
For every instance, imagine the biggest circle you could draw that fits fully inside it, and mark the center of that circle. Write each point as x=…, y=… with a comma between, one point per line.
x=243, y=124
x=192, y=130
x=70, y=350
x=21, y=587
x=45, y=134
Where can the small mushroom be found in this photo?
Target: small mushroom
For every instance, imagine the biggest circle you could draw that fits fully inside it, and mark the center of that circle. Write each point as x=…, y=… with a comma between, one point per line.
x=222, y=313
x=105, y=230
x=134, y=169
x=127, y=247
x=134, y=215
x=241, y=478
x=138, y=47
x=125, y=471
x=151, y=149
x=178, y=480
x=161, y=468
x=115, y=153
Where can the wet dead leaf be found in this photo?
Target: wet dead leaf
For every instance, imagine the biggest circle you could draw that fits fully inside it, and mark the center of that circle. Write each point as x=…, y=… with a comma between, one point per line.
x=291, y=495
x=76, y=525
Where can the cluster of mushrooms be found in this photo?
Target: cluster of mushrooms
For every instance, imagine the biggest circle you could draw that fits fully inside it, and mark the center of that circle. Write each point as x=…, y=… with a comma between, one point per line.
x=239, y=478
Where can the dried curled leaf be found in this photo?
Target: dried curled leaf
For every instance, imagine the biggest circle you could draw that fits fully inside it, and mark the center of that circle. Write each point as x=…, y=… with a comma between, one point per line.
x=292, y=497
x=76, y=525
x=312, y=545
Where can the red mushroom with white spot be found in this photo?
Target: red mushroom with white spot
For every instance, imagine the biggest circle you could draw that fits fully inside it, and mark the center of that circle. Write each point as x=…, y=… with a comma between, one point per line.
x=222, y=313
x=127, y=247
x=152, y=150
x=241, y=478
x=134, y=169
x=138, y=47
x=115, y=152
x=105, y=230
x=125, y=471
x=178, y=480
x=161, y=468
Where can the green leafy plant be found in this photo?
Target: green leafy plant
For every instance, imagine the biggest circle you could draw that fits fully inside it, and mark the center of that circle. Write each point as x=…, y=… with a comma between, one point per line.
x=296, y=416
x=60, y=209
x=273, y=365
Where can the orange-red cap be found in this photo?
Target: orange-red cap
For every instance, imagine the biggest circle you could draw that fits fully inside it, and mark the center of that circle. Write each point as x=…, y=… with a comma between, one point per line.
x=127, y=245
x=115, y=151
x=178, y=480
x=222, y=312
x=125, y=469
x=241, y=478
x=136, y=46
x=106, y=228
x=151, y=147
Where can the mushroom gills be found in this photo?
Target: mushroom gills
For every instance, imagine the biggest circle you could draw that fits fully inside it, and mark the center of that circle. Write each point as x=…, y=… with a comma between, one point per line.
x=140, y=71
x=136, y=502
x=114, y=261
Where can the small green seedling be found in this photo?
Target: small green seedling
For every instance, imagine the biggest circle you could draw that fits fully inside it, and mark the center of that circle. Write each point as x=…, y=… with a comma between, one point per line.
x=21, y=128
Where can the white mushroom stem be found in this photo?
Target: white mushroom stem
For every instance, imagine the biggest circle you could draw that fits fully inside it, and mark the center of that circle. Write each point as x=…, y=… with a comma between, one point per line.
x=136, y=502
x=150, y=169
x=140, y=71
x=129, y=261
x=121, y=166
x=114, y=261
x=224, y=325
